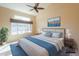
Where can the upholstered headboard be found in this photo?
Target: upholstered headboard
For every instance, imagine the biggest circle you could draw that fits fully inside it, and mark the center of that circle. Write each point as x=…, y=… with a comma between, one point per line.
x=55, y=30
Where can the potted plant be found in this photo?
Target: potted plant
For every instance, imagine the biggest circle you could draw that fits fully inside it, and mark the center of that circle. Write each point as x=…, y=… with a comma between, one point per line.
x=3, y=35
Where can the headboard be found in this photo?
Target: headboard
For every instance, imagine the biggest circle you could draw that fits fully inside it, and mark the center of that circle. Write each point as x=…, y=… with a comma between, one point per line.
x=55, y=30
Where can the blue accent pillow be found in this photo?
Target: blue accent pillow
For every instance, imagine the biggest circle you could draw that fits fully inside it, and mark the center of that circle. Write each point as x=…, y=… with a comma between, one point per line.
x=48, y=33
x=56, y=34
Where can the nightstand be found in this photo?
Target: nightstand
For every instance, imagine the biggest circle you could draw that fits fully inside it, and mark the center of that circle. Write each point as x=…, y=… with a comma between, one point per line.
x=70, y=44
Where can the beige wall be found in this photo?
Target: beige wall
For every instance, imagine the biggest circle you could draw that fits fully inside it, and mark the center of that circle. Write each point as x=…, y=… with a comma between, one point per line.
x=5, y=15
x=69, y=17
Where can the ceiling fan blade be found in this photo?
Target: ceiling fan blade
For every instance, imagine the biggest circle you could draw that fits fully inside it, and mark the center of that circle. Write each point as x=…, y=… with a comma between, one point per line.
x=37, y=4
x=29, y=6
x=40, y=8
x=36, y=10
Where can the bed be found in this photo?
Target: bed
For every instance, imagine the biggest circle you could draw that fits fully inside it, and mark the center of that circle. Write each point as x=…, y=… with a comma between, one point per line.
x=43, y=44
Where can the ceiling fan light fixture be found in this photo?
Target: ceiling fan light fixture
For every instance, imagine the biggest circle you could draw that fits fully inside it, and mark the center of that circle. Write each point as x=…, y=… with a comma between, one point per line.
x=36, y=7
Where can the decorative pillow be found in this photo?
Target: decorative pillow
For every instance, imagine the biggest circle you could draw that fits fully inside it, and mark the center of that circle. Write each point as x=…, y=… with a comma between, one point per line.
x=56, y=34
x=43, y=32
x=48, y=33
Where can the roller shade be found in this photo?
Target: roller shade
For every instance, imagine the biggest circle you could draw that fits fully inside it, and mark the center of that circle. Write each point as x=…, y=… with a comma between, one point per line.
x=20, y=21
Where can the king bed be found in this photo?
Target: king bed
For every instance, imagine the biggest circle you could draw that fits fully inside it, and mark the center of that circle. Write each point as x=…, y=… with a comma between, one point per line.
x=48, y=43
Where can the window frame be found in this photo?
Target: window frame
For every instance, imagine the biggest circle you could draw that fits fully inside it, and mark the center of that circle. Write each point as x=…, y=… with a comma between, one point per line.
x=18, y=22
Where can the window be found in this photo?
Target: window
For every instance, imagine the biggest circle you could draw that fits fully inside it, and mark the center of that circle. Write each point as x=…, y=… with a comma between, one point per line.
x=20, y=26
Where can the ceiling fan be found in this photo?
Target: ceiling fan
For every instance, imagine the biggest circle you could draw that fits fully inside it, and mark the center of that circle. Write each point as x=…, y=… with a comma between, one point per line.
x=36, y=7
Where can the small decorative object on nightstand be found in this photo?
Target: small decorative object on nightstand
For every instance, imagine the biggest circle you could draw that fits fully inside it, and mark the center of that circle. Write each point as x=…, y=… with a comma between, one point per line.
x=71, y=45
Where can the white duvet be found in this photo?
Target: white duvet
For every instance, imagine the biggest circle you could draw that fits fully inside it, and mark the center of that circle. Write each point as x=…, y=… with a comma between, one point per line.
x=33, y=49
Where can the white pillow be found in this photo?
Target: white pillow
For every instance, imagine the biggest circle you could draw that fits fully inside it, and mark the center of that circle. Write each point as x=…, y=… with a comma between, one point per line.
x=43, y=33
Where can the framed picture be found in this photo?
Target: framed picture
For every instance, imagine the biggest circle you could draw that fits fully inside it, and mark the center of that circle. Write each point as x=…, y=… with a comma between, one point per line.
x=54, y=22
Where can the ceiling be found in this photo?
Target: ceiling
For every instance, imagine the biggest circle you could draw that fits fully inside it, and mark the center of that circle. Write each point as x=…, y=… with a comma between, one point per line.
x=22, y=7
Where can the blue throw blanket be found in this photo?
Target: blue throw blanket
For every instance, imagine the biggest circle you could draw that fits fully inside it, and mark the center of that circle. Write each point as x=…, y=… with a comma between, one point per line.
x=49, y=47
x=17, y=50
